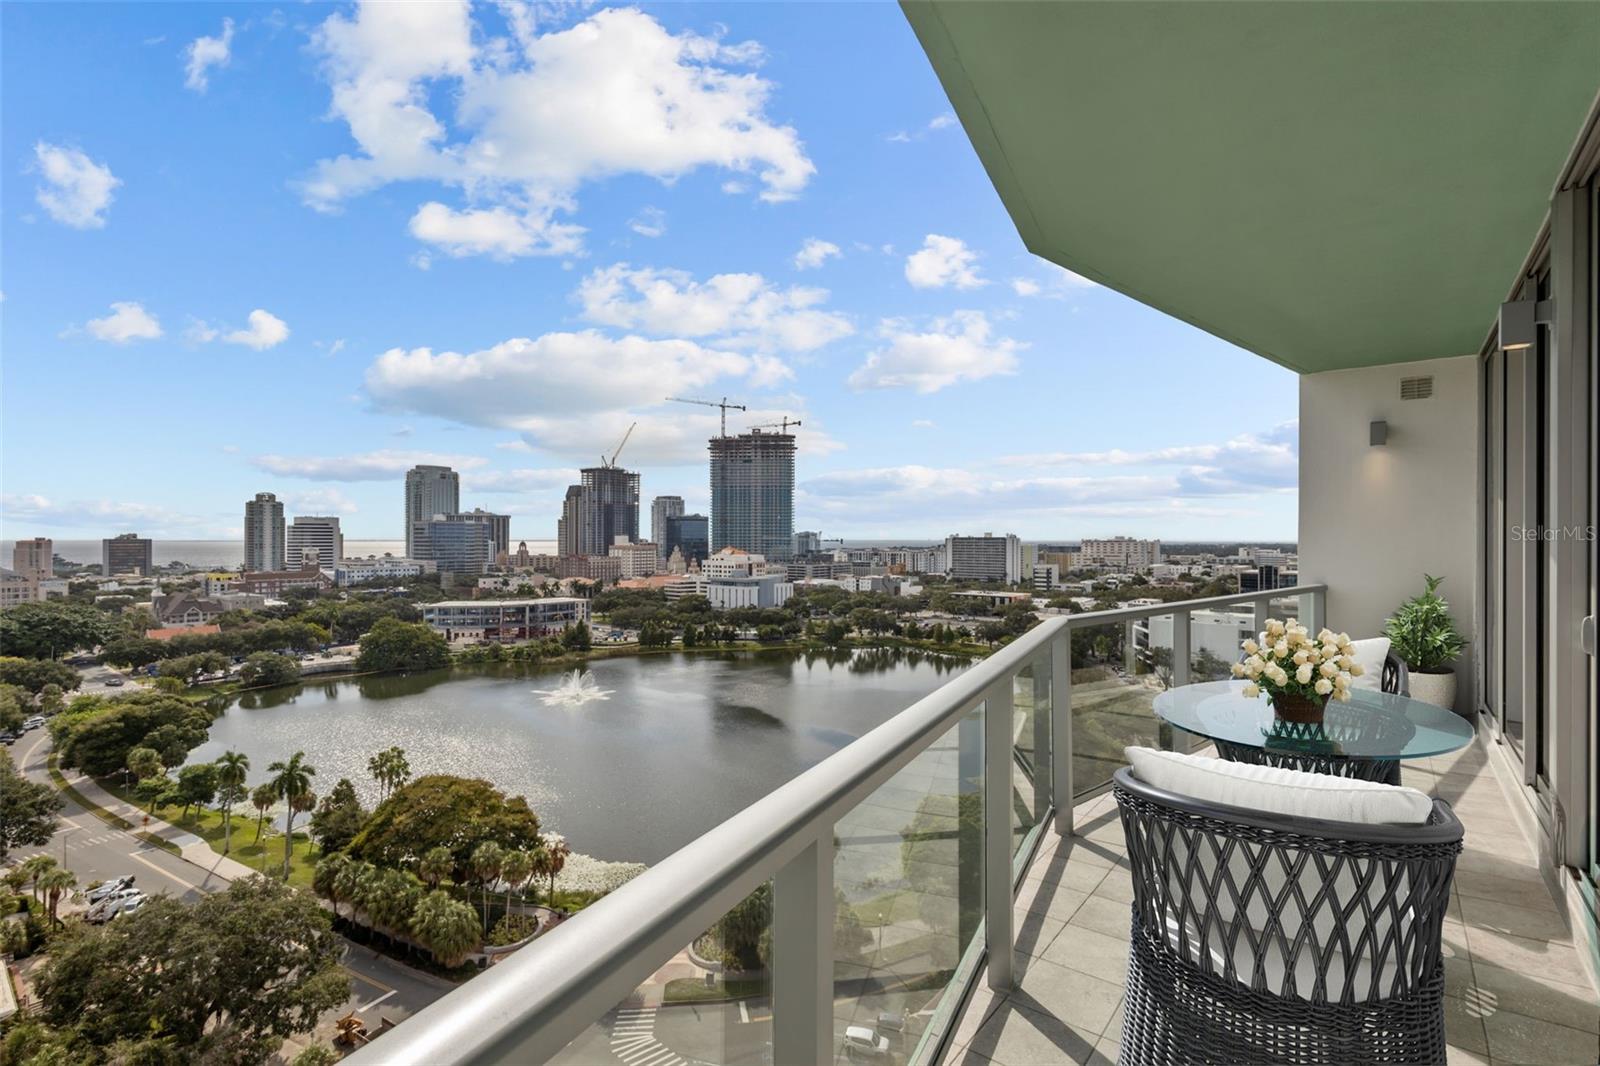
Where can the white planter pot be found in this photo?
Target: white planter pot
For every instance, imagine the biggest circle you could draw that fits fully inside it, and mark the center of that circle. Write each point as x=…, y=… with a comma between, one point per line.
x=1437, y=689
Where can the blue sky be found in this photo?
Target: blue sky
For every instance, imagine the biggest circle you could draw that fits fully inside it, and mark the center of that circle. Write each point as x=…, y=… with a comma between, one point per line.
x=296, y=249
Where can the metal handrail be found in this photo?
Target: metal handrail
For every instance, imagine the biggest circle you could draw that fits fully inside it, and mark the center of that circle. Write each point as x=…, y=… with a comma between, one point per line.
x=531, y=1005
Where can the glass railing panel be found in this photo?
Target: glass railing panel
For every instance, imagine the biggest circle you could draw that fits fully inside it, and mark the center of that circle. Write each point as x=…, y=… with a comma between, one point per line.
x=1030, y=762
x=709, y=1004
x=908, y=876
x=1115, y=680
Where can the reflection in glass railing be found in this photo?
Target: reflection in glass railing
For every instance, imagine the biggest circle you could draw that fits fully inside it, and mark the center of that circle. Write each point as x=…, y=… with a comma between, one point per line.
x=908, y=875
x=1115, y=680
x=710, y=1003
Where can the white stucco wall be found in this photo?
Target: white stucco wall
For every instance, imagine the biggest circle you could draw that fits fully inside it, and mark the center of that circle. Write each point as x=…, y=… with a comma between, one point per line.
x=1374, y=519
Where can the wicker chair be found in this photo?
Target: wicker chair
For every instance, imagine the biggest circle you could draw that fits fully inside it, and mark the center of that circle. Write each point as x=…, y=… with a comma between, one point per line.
x=1262, y=938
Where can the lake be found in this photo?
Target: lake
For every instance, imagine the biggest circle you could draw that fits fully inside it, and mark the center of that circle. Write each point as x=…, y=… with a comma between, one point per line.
x=682, y=741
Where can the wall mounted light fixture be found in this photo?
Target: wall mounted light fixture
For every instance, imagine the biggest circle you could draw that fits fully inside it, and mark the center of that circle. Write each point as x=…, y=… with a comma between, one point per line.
x=1378, y=433
x=1520, y=321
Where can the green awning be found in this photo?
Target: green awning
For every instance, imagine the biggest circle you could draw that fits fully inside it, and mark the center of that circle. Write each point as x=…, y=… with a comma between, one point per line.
x=1326, y=184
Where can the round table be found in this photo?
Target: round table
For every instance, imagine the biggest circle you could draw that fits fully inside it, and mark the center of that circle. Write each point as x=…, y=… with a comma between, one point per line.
x=1365, y=737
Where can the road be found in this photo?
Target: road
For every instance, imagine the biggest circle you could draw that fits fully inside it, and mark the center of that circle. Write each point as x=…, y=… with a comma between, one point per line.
x=95, y=851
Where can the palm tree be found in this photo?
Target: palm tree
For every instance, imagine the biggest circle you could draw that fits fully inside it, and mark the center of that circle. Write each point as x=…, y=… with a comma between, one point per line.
x=262, y=800
x=306, y=801
x=446, y=926
x=325, y=880
x=487, y=859
x=232, y=766
x=436, y=865
x=35, y=868
x=291, y=780
x=351, y=879
x=390, y=770
x=395, y=897
x=515, y=871
x=551, y=857
x=56, y=883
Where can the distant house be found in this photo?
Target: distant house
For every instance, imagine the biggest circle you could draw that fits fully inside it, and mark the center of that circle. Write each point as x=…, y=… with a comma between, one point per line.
x=185, y=611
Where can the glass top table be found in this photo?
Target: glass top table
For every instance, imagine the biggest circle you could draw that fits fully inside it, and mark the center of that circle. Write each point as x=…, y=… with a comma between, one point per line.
x=1364, y=737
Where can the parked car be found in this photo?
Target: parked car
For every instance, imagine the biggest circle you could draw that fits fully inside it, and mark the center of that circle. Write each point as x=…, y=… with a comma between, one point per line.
x=33, y=723
x=115, y=682
x=106, y=888
x=892, y=1023
x=863, y=1043
x=122, y=901
x=8, y=737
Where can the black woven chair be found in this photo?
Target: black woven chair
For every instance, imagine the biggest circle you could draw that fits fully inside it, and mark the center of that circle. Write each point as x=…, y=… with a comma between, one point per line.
x=1262, y=938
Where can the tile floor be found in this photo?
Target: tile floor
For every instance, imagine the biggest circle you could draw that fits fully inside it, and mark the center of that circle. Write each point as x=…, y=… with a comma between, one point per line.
x=1515, y=988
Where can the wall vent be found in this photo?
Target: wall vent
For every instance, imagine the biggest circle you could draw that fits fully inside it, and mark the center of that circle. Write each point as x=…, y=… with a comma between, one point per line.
x=1416, y=388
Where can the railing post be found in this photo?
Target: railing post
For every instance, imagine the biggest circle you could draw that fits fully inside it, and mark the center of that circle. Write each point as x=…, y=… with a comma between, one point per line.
x=802, y=956
x=997, y=762
x=1314, y=611
x=1263, y=607
x=1043, y=713
x=1130, y=646
x=1061, y=729
x=1179, y=673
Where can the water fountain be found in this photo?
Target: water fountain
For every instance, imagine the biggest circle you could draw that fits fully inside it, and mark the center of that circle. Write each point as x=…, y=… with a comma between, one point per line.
x=577, y=689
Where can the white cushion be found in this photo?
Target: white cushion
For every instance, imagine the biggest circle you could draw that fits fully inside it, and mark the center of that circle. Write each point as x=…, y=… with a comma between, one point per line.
x=1278, y=791
x=1370, y=653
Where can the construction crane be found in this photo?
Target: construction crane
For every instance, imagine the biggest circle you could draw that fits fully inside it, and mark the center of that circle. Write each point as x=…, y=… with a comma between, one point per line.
x=611, y=463
x=724, y=404
x=783, y=424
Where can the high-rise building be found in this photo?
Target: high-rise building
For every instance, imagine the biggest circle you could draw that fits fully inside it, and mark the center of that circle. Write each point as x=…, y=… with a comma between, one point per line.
x=430, y=490
x=317, y=535
x=127, y=553
x=752, y=493
x=596, y=512
x=1127, y=554
x=807, y=542
x=454, y=545
x=32, y=559
x=985, y=558
x=662, y=508
x=690, y=535
x=499, y=528
x=263, y=533
x=637, y=558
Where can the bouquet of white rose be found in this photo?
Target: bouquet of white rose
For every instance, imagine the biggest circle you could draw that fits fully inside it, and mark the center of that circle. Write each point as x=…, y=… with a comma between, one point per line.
x=1298, y=672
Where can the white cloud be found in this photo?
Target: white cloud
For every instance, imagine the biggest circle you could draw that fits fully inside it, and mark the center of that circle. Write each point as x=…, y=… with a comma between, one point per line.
x=204, y=53
x=739, y=310
x=941, y=262
x=924, y=423
x=1247, y=462
x=942, y=121
x=525, y=479
x=649, y=222
x=198, y=331
x=498, y=232
x=960, y=347
x=128, y=321
x=76, y=190
x=148, y=519
x=813, y=253
x=266, y=330
x=322, y=502
x=614, y=94
x=382, y=465
x=1058, y=283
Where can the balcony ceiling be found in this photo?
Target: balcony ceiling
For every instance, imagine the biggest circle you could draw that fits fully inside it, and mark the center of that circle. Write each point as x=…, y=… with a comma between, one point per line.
x=1327, y=185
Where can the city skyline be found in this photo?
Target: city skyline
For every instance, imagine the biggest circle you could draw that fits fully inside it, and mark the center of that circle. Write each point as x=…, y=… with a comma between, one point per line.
x=849, y=267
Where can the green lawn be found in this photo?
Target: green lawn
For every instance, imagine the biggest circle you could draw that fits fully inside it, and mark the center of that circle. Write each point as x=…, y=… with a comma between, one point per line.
x=265, y=856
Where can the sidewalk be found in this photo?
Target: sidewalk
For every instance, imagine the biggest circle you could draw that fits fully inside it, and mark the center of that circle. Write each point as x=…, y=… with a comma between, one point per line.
x=193, y=849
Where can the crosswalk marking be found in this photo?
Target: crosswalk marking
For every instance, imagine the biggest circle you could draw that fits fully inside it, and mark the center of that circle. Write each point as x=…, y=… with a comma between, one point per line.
x=633, y=1039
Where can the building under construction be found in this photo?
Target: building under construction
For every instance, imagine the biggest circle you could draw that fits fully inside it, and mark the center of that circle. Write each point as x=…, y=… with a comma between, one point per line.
x=596, y=512
x=752, y=493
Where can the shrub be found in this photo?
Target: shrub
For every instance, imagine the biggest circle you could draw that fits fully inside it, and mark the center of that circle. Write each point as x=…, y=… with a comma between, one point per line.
x=513, y=928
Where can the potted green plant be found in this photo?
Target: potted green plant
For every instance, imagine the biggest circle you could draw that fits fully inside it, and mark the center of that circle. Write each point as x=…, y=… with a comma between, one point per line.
x=1422, y=633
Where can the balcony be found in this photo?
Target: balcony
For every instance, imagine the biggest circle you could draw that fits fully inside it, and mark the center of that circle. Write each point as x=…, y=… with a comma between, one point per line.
x=954, y=883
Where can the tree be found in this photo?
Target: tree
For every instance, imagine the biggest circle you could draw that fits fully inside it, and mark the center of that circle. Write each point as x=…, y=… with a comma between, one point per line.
x=435, y=866
x=741, y=931
x=328, y=880
x=436, y=810
x=446, y=926
x=98, y=737
x=577, y=637
x=392, y=645
x=51, y=699
x=515, y=870
x=315, y=1055
x=190, y=668
x=232, y=766
x=36, y=867
x=34, y=674
x=291, y=781
x=339, y=817
x=240, y=969
x=145, y=763
x=390, y=770
x=392, y=901
x=266, y=668
x=27, y=810
x=550, y=858
x=197, y=785
x=14, y=708
x=51, y=629
x=262, y=799
x=55, y=884
x=487, y=859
